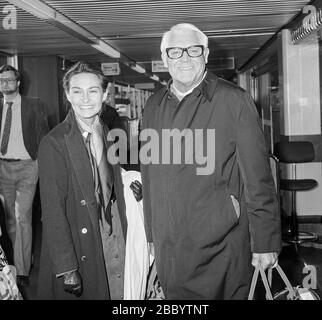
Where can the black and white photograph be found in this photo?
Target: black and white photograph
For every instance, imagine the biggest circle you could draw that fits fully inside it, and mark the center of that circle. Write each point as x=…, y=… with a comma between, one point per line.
x=162, y=156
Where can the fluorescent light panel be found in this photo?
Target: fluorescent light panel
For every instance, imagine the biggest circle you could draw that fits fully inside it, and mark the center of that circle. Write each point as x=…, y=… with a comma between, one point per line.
x=107, y=49
x=35, y=7
x=138, y=68
x=45, y=12
x=241, y=35
x=155, y=77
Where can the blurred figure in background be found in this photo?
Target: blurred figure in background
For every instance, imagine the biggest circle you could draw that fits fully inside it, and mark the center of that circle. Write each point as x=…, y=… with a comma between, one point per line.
x=23, y=122
x=110, y=117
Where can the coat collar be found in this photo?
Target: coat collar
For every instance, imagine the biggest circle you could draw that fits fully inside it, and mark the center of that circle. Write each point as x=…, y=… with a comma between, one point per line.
x=206, y=88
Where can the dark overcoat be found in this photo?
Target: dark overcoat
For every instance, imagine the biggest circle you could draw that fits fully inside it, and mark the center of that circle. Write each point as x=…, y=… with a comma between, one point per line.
x=204, y=227
x=70, y=214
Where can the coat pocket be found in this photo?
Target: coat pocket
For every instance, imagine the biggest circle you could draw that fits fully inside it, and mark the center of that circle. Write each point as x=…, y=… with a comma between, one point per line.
x=236, y=205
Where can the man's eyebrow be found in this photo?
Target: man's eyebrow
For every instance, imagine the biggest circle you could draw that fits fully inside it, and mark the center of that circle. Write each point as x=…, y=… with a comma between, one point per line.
x=75, y=87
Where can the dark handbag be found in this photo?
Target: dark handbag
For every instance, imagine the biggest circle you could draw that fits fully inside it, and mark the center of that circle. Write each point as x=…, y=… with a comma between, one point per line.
x=289, y=293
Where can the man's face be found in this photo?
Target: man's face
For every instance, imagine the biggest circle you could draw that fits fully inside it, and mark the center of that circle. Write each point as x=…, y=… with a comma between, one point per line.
x=121, y=108
x=8, y=83
x=86, y=95
x=185, y=71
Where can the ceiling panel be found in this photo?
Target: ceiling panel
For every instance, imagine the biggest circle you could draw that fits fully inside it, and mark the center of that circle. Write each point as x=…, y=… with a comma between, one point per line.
x=135, y=27
x=36, y=37
x=235, y=28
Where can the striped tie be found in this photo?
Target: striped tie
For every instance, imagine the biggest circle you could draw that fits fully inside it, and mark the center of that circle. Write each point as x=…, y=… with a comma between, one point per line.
x=6, y=130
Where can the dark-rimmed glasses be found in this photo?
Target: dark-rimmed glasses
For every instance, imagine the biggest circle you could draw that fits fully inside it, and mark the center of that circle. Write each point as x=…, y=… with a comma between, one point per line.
x=10, y=81
x=192, y=51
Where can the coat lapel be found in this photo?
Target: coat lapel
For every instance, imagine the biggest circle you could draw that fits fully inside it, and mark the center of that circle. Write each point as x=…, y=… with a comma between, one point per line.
x=118, y=185
x=1, y=108
x=82, y=167
x=25, y=111
x=79, y=159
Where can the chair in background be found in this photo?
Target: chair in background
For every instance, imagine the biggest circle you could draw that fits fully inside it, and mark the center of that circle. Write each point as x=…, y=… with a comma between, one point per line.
x=292, y=153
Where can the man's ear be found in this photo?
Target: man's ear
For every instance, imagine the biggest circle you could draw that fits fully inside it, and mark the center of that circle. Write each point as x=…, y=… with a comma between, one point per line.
x=164, y=59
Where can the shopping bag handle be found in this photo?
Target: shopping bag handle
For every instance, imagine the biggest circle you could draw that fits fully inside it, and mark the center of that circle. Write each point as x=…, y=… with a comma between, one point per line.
x=284, y=278
x=254, y=281
x=267, y=281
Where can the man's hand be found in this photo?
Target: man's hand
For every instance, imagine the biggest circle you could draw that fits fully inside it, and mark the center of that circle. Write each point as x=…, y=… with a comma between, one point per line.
x=73, y=283
x=136, y=187
x=266, y=260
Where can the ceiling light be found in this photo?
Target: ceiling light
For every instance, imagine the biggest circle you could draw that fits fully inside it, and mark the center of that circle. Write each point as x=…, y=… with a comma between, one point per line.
x=49, y=14
x=107, y=49
x=36, y=7
x=242, y=35
x=155, y=77
x=137, y=68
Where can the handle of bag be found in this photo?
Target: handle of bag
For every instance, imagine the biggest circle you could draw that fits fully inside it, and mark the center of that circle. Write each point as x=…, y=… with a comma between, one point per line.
x=267, y=281
x=284, y=278
x=269, y=295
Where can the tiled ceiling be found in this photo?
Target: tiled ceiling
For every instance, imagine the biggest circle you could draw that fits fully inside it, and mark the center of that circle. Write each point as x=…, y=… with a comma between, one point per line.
x=235, y=29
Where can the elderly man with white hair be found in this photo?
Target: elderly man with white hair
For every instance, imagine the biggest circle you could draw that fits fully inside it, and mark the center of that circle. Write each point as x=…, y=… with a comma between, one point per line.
x=207, y=229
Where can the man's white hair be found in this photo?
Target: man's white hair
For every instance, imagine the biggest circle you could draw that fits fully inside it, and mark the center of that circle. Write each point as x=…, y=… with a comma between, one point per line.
x=183, y=26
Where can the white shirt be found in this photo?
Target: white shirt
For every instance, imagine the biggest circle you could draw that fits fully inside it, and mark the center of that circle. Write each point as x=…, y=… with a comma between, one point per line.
x=16, y=147
x=180, y=95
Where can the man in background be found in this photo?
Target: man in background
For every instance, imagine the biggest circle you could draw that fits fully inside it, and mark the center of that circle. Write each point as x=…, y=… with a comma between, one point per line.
x=23, y=123
x=110, y=117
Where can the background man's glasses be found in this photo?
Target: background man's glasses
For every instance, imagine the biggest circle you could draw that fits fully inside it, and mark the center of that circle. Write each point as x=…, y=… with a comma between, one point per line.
x=192, y=51
x=10, y=81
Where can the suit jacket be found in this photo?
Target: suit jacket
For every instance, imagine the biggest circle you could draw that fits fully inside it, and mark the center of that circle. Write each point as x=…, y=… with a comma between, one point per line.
x=204, y=227
x=70, y=214
x=34, y=123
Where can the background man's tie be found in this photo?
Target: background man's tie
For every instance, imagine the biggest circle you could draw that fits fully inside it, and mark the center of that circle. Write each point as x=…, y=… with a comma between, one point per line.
x=6, y=130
